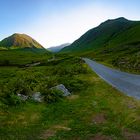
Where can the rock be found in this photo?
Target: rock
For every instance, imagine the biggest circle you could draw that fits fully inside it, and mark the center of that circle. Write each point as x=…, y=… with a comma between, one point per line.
x=62, y=88
x=22, y=97
x=37, y=97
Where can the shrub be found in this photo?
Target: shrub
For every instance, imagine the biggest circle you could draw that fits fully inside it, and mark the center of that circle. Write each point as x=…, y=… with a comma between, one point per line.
x=52, y=95
x=11, y=99
x=70, y=67
x=6, y=62
x=18, y=86
x=73, y=83
x=2, y=104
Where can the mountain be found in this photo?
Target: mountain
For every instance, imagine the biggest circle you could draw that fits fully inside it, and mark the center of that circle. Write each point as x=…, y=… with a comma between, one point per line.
x=114, y=42
x=111, y=33
x=20, y=41
x=58, y=48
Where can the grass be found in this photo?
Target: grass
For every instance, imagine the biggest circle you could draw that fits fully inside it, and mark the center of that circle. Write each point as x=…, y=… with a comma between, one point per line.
x=114, y=42
x=21, y=57
x=21, y=122
x=95, y=109
x=125, y=58
x=111, y=33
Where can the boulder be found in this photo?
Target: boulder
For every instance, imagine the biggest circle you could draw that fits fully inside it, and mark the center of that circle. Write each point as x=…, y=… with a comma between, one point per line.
x=22, y=97
x=37, y=97
x=62, y=88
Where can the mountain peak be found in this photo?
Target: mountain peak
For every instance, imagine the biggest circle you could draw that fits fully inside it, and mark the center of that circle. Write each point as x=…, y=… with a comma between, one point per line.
x=25, y=36
x=18, y=40
x=101, y=35
x=16, y=34
x=120, y=19
x=58, y=48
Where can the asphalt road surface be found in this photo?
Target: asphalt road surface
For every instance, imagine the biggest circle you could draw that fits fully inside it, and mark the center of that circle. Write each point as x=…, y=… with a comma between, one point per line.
x=125, y=82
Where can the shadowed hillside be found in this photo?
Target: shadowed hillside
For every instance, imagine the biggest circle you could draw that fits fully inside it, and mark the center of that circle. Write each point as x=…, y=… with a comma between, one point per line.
x=110, y=33
x=115, y=42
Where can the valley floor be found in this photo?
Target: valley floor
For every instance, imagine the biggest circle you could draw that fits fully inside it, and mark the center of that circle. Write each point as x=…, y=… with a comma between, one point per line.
x=95, y=110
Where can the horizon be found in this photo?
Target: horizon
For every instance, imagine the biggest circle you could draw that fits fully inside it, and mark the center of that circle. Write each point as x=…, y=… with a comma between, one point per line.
x=53, y=23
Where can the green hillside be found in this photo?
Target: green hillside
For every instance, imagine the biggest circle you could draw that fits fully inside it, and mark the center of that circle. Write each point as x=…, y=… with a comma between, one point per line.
x=128, y=36
x=110, y=33
x=114, y=42
x=18, y=41
x=20, y=57
x=122, y=52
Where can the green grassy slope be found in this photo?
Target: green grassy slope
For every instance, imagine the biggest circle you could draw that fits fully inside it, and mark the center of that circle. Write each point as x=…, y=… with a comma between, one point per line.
x=125, y=57
x=95, y=110
x=122, y=52
x=100, y=36
x=115, y=42
x=19, y=57
x=130, y=35
x=16, y=41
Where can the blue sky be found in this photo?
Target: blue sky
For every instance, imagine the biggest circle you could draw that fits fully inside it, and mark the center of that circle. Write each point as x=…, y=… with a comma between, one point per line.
x=54, y=22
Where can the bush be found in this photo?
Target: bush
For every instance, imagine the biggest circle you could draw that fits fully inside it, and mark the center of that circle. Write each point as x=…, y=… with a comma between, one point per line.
x=73, y=84
x=52, y=95
x=18, y=86
x=73, y=66
x=2, y=105
x=11, y=99
x=6, y=62
x=51, y=81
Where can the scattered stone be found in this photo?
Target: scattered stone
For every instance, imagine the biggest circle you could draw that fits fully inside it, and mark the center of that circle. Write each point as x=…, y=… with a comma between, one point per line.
x=62, y=88
x=22, y=97
x=37, y=97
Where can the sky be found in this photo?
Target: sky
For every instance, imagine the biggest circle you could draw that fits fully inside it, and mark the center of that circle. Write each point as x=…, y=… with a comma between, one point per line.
x=54, y=22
